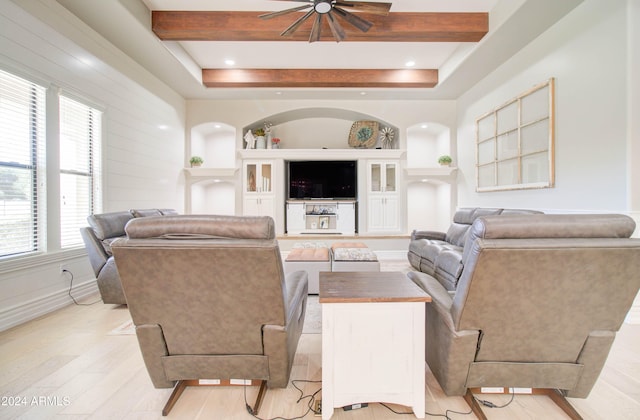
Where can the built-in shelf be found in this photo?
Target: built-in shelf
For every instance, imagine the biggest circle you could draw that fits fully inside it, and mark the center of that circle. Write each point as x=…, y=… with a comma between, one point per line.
x=441, y=171
x=201, y=172
x=321, y=154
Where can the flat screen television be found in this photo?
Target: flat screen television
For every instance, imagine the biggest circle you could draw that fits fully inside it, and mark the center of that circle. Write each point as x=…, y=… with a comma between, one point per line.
x=336, y=179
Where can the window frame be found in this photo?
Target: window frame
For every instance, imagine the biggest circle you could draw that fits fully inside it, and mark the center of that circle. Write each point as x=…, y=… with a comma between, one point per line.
x=94, y=172
x=37, y=149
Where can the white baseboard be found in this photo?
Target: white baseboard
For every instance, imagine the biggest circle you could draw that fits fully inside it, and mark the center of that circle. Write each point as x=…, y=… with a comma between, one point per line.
x=33, y=309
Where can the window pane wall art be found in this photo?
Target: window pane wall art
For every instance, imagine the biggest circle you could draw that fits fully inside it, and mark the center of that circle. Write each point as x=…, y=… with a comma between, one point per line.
x=515, y=142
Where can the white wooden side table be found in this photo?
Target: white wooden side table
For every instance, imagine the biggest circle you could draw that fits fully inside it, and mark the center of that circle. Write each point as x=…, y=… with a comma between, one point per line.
x=373, y=336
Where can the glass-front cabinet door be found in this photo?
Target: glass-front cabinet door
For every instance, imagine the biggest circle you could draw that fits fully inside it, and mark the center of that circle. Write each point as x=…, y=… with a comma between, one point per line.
x=258, y=177
x=383, y=177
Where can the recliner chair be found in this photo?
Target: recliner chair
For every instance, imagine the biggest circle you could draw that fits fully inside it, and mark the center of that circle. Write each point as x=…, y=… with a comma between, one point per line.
x=104, y=229
x=538, y=305
x=210, y=300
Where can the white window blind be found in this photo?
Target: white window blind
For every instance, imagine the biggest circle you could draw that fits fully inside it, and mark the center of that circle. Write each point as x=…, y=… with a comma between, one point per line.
x=80, y=172
x=22, y=167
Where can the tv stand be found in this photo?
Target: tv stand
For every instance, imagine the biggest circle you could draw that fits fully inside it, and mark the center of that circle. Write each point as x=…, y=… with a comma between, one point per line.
x=321, y=216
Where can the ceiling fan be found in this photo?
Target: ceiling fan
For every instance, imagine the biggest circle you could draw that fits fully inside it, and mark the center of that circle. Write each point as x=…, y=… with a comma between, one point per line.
x=331, y=9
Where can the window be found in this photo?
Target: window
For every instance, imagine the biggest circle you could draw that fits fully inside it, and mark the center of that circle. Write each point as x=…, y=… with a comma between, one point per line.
x=514, y=143
x=80, y=138
x=22, y=168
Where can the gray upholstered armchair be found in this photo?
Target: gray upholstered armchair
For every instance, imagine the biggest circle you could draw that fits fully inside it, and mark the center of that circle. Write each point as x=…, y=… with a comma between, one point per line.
x=210, y=300
x=103, y=229
x=538, y=304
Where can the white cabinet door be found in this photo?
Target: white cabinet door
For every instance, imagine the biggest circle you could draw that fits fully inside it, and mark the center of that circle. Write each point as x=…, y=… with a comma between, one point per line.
x=383, y=212
x=391, y=213
x=259, y=199
x=259, y=206
x=346, y=218
x=295, y=217
x=258, y=177
x=383, y=177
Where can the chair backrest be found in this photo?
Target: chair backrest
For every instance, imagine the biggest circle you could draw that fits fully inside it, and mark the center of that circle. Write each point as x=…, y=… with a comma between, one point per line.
x=193, y=274
x=538, y=285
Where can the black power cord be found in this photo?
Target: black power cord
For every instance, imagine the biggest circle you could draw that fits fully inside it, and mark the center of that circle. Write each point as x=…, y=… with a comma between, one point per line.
x=493, y=405
x=311, y=397
x=446, y=414
x=71, y=286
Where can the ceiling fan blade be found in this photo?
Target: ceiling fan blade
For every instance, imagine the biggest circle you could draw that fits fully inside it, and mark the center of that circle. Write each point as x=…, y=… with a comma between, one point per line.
x=357, y=21
x=336, y=28
x=365, y=6
x=282, y=12
x=317, y=28
x=292, y=28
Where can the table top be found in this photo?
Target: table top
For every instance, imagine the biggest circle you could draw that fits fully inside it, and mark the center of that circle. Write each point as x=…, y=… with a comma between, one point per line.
x=369, y=286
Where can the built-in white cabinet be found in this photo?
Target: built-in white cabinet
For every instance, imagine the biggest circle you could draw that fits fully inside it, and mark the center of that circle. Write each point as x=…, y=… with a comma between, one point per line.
x=258, y=190
x=383, y=203
x=321, y=217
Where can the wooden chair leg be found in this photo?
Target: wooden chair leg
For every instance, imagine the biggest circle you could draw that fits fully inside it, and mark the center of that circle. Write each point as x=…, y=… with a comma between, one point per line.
x=557, y=397
x=181, y=385
x=259, y=398
x=473, y=404
x=173, y=398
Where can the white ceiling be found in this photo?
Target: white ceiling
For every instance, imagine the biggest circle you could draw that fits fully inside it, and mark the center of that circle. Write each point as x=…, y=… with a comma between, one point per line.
x=512, y=24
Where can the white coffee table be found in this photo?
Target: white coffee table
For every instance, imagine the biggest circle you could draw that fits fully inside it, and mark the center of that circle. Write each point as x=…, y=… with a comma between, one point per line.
x=373, y=336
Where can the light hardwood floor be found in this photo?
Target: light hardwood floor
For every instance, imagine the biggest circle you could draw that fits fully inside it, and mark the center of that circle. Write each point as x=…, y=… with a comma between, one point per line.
x=68, y=365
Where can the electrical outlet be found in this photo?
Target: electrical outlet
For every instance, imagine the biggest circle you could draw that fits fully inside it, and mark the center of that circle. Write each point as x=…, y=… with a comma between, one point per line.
x=317, y=408
x=63, y=268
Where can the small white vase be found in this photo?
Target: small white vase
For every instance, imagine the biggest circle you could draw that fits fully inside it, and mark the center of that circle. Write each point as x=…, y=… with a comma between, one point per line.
x=261, y=143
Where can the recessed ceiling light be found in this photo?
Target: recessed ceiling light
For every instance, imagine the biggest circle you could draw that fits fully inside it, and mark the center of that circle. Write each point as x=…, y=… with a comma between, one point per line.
x=217, y=126
x=410, y=63
x=278, y=93
x=424, y=126
x=163, y=127
x=363, y=93
x=229, y=62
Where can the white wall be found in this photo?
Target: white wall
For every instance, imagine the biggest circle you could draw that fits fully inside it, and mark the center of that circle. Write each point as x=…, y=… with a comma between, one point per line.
x=594, y=55
x=143, y=140
x=586, y=54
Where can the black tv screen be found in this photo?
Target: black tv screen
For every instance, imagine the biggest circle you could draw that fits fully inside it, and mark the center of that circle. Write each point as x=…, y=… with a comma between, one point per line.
x=323, y=179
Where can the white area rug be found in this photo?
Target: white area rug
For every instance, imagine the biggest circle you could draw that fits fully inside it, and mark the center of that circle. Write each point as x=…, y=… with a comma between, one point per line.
x=313, y=317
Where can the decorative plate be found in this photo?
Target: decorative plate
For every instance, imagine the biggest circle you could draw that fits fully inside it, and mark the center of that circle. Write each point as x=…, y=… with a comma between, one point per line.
x=363, y=134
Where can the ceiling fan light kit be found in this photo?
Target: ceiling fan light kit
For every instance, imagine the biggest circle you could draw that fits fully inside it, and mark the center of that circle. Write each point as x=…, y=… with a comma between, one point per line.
x=330, y=8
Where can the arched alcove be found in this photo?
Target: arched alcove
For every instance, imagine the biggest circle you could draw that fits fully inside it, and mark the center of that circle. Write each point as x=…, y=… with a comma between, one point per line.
x=425, y=143
x=429, y=205
x=213, y=197
x=317, y=128
x=212, y=187
x=215, y=142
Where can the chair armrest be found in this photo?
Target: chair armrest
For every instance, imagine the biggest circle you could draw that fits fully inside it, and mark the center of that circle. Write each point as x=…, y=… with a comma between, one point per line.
x=441, y=298
x=97, y=255
x=439, y=294
x=428, y=234
x=297, y=284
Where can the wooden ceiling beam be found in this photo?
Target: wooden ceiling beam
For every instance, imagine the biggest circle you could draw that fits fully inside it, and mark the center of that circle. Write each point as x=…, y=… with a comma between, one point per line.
x=247, y=26
x=319, y=78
